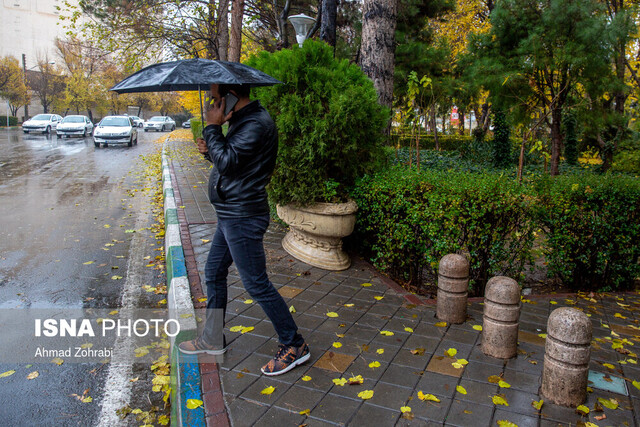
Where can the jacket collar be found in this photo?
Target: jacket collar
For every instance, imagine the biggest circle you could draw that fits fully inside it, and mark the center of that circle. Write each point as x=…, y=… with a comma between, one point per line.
x=248, y=109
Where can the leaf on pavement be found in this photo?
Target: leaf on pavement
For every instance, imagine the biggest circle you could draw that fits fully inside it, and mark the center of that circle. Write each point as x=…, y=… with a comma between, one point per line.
x=57, y=361
x=366, y=394
x=505, y=423
x=477, y=327
x=337, y=344
x=33, y=375
x=404, y=409
x=378, y=297
x=427, y=397
x=381, y=350
x=8, y=373
x=246, y=329
x=248, y=301
x=441, y=324
x=374, y=364
x=504, y=384
x=451, y=352
x=636, y=384
x=87, y=263
x=582, y=410
x=268, y=390
x=417, y=352
x=332, y=314
x=386, y=333
x=608, y=403
x=408, y=329
x=292, y=309
x=305, y=412
x=537, y=404
x=461, y=390
x=494, y=379
x=194, y=403
x=306, y=378
x=366, y=285
x=499, y=400
x=340, y=381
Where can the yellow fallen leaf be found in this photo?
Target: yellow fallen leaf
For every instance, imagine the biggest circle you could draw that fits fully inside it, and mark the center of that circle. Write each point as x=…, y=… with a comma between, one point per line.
x=337, y=344
x=451, y=352
x=537, y=404
x=407, y=329
x=113, y=312
x=8, y=373
x=87, y=399
x=292, y=309
x=404, y=409
x=366, y=285
x=636, y=384
x=107, y=226
x=340, y=381
x=356, y=380
x=590, y=424
x=457, y=365
x=349, y=305
x=57, y=361
x=248, y=301
x=202, y=299
x=619, y=316
x=428, y=397
x=205, y=240
x=33, y=375
x=608, y=403
x=608, y=365
x=306, y=378
x=86, y=345
x=141, y=351
x=477, y=327
x=505, y=423
x=268, y=390
x=582, y=409
x=381, y=350
x=305, y=412
x=463, y=361
x=378, y=298
x=386, y=333
x=87, y=263
x=366, y=394
x=461, y=390
x=247, y=329
x=375, y=364
x=553, y=302
x=441, y=324
x=194, y=403
x=332, y=314
x=116, y=277
x=542, y=336
x=504, y=384
x=499, y=400
x=237, y=328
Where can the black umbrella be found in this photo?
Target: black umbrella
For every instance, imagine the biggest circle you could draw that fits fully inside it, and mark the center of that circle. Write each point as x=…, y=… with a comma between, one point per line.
x=192, y=74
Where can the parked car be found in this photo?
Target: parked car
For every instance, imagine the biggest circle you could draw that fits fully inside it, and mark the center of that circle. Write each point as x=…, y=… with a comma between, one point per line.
x=44, y=123
x=115, y=130
x=138, y=121
x=75, y=125
x=159, y=123
x=187, y=124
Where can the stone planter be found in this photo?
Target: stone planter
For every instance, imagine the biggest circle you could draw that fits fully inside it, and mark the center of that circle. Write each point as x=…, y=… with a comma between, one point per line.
x=316, y=232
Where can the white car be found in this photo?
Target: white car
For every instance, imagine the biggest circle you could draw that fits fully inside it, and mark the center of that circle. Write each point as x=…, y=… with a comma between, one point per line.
x=44, y=123
x=159, y=124
x=138, y=121
x=115, y=130
x=75, y=125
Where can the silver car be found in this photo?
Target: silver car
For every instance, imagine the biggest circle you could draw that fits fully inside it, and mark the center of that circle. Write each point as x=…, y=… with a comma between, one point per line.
x=44, y=123
x=75, y=126
x=138, y=121
x=159, y=124
x=115, y=130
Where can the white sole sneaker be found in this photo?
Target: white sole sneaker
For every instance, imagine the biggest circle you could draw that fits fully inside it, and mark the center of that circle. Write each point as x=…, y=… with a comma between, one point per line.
x=288, y=368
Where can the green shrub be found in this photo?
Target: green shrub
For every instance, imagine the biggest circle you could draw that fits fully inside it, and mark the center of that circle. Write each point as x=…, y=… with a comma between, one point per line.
x=501, y=140
x=408, y=220
x=13, y=121
x=569, y=123
x=196, y=128
x=592, y=227
x=330, y=124
x=427, y=141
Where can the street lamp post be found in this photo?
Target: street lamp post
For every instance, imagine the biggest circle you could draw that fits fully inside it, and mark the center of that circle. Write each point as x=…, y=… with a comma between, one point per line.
x=302, y=24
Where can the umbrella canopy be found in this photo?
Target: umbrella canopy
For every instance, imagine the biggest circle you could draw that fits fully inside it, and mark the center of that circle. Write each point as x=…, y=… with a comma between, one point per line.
x=192, y=74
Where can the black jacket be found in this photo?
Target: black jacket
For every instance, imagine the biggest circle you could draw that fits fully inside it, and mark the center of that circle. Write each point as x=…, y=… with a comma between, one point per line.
x=243, y=162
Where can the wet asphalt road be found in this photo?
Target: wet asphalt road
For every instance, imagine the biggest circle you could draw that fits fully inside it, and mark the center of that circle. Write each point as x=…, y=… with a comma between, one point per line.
x=64, y=202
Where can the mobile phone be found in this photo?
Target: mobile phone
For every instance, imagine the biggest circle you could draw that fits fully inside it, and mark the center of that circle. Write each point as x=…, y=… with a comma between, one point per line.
x=230, y=101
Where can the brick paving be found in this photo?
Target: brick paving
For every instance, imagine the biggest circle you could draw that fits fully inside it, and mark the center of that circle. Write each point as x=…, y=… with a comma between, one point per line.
x=413, y=359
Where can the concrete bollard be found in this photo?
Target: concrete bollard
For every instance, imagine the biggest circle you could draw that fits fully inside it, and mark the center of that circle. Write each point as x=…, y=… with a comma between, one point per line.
x=453, y=285
x=566, y=357
x=501, y=315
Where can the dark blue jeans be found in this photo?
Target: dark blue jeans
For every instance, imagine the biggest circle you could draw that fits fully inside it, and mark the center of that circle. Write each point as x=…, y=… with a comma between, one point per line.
x=239, y=240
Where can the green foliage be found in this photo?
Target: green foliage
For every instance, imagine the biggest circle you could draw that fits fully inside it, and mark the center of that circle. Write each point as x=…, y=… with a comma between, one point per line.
x=501, y=141
x=592, y=224
x=330, y=124
x=196, y=128
x=570, y=123
x=13, y=121
x=447, y=142
x=408, y=220
x=627, y=159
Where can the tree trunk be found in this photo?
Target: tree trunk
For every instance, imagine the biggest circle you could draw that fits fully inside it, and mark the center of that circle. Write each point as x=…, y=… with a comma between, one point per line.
x=460, y=121
x=235, y=47
x=328, y=23
x=377, y=58
x=283, y=29
x=556, y=140
x=223, y=29
x=434, y=126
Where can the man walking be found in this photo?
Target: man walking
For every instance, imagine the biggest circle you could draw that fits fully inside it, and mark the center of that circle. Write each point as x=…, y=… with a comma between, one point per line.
x=243, y=162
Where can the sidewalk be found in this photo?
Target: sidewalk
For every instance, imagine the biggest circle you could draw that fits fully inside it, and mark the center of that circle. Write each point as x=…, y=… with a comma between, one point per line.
x=395, y=367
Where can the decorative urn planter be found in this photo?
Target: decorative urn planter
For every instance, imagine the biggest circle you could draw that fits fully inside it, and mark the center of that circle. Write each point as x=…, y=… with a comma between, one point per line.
x=316, y=232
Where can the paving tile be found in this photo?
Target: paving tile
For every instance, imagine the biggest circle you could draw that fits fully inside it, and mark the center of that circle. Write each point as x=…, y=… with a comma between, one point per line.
x=279, y=417
x=531, y=338
x=321, y=340
x=402, y=376
x=522, y=381
x=517, y=419
x=232, y=357
x=335, y=409
x=438, y=384
x=307, y=322
x=390, y=396
x=310, y=295
x=360, y=366
x=523, y=364
x=361, y=332
x=443, y=365
x=399, y=324
x=298, y=399
x=478, y=356
x=415, y=361
x=428, y=328
x=481, y=371
x=520, y=401
x=233, y=384
x=553, y=412
x=466, y=414
x=617, y=417
x=244, y=413
x=253, y=392
x=290, y=291
x=425, y=411
x=463, y=350
x=461, y=336
x=351, y=391
x=372, y=321
x=477, y=392
x=429, y=344
x=321, y=380
x=334, y=361
x=314, y=422
x=370, y=415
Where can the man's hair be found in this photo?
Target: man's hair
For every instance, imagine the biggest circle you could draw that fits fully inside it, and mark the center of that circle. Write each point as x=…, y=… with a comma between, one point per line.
x=242, y=90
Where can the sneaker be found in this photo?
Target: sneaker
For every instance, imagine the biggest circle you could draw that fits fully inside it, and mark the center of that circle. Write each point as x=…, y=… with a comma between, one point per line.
x=287, y=358
x=198, y=346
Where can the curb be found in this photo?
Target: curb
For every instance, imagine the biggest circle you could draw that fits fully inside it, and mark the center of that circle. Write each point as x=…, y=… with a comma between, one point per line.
x=185, y=373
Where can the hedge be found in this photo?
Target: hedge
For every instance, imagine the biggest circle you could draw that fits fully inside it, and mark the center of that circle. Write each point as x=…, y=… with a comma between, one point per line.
x=13, y=121
x=588, y=226
x=427, y=141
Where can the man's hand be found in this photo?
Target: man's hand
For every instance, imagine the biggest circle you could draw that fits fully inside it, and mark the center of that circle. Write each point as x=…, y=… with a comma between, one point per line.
x=202, y=146
x=215, y=112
